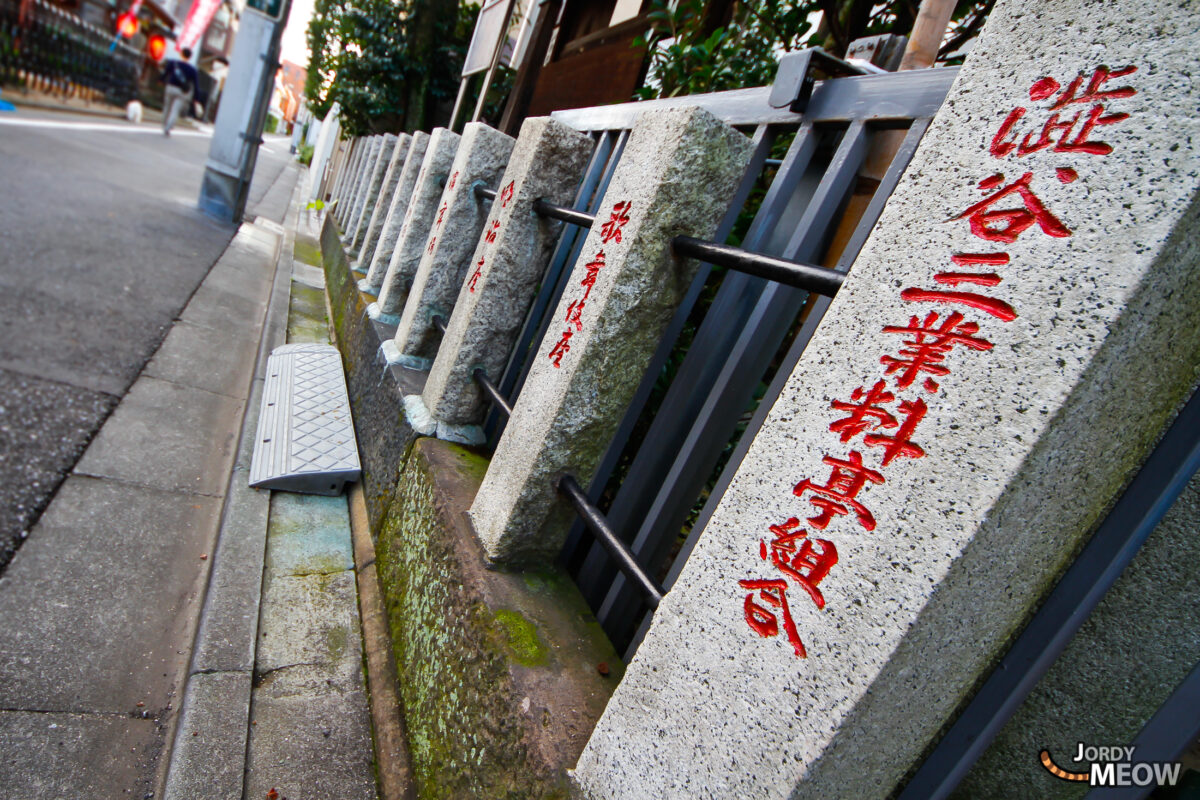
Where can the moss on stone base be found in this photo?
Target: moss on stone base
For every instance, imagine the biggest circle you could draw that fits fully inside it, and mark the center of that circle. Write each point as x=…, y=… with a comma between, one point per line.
x=498, y=670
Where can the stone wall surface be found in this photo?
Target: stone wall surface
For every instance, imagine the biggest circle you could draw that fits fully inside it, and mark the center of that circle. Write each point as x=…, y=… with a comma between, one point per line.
x=455, y=234
x=955, y=429
x=506, y=269
x=383, y=201
x=418, y=219
x=502, y=674
x=395, y=216
x=676, y=176
x=361, y=184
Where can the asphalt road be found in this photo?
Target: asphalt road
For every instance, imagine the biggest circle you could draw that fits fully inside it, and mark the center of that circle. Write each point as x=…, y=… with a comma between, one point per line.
x=101, y=246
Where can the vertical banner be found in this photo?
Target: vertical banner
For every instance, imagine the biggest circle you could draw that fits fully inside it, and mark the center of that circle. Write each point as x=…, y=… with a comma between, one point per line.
x=196, y=23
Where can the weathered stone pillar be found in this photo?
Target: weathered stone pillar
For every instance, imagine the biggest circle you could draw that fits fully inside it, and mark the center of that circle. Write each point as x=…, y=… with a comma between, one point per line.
x=383, y=201
x=418, y=219
x=480, y=160
x=676, y=176
x=374, y=185
x=374, y=146
x=392, y=225
x=507, y=267
x=1016, y=334
x=350, y=178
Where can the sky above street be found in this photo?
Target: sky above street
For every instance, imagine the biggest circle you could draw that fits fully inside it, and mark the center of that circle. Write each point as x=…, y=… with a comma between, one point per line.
x=294, y=47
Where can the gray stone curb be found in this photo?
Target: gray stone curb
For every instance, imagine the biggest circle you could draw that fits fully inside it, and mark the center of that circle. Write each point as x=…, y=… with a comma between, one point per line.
x=209, y=751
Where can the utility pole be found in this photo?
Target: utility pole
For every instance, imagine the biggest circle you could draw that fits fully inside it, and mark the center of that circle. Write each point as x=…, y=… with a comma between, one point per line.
x=243, y=112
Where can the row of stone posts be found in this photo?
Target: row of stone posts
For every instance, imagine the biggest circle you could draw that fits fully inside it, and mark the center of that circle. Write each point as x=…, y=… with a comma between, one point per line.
x=1019, y=329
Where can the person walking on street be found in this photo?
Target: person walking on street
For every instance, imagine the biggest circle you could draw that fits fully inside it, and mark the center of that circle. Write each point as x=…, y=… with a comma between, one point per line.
x=183, y=84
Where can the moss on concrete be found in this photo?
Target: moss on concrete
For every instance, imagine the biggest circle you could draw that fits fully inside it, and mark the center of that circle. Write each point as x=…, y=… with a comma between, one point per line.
x=307, y=250
x=521, y=638
x=497, y=670
x=306, y=315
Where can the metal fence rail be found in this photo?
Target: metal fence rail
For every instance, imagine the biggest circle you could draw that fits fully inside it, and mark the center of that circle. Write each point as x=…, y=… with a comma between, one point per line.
x=750, y=317
x=56, y=51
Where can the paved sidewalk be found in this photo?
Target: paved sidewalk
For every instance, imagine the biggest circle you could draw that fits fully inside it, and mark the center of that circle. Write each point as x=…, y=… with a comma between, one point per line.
x=103, y=604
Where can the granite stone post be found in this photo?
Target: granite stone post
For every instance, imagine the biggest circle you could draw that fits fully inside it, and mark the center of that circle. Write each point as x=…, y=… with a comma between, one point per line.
x=480, y=160
x=344, y=151
x=383, y=202
x=374, y=183
x=1018, y=331
x=371, y=158
x=392, y=225
x=676, y=176
x=507, y=267
x=350, y=179
x=418, y=219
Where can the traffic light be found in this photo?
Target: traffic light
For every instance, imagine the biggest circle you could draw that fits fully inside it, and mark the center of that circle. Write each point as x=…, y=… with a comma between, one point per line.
x=127, y=25
x=156, y=46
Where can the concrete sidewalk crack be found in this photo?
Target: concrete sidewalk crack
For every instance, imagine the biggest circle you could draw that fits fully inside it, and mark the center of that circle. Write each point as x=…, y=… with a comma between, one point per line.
x=262, y=678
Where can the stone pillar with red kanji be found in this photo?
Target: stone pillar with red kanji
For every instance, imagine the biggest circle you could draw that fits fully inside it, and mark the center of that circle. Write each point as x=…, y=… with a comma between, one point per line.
x=392, y=224
x=383, y=202
x=676, y=175
x=457, y=225
x=418, y=219
x=1017, y=333
x=507, y=267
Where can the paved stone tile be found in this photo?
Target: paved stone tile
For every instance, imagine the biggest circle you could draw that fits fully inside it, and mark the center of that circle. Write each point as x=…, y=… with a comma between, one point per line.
x=99, y=605
x=312, y=620
x=216, y=306
x=308, y=535
x=152, y=439
x=308, y=743
x=76, y=756
x=217, y=360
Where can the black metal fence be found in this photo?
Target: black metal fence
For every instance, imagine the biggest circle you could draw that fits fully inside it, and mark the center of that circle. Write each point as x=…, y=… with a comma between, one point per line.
x=53, y=51
x=803, y=199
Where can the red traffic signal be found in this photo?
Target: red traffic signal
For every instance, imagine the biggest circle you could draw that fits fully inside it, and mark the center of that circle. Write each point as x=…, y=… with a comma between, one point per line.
x=156, y=46
x=127, y=25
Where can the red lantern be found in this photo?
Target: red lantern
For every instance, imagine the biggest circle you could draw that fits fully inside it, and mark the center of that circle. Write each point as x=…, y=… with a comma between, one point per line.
x=127, y=25
x=156, y=47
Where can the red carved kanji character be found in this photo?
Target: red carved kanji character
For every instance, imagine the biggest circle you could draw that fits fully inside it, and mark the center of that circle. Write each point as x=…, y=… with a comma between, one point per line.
x=442, y=213
x=506, y=194
x=836, y=497
x=927, y=348
x=432, y=242
x=490, y=235
x=1005, y=225
x=1091, y=93
x=808, y=565
x=611, y=230
x=865, y=408
x=562, y=348
x=992, y=305
x=762, y=620
x=1002, y=145
x=575, y=314
x=593, y=270
x=901, y=443
x=453, y=180
x=475, y=275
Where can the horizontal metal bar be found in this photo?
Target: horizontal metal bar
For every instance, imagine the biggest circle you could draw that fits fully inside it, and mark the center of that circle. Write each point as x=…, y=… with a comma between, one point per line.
x=892, y=96
x=554, y=210
x=598, y=525
x=491, y=391
x=484, y=192
x=810, y=277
